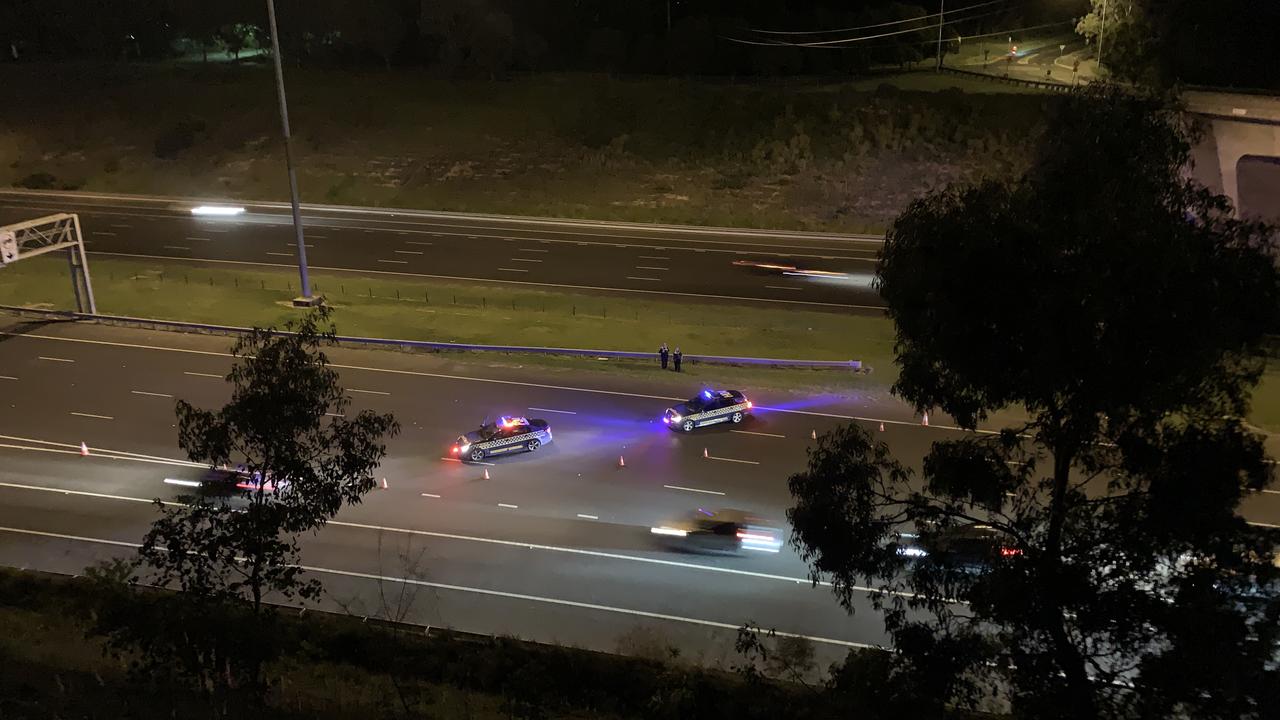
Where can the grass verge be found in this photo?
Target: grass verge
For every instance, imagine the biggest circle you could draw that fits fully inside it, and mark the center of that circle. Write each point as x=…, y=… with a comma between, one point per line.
x=456, y=312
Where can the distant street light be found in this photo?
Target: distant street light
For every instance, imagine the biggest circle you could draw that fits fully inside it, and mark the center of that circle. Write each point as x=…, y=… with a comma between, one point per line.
x=306, y=299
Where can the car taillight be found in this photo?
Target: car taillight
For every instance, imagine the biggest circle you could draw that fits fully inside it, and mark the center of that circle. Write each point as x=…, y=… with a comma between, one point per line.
x=1010, y=551
x=455, y=449
x=749, y=406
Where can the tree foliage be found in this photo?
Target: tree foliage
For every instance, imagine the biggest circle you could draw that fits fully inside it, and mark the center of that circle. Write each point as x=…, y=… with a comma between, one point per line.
x=1122, y=309
x=285, y=424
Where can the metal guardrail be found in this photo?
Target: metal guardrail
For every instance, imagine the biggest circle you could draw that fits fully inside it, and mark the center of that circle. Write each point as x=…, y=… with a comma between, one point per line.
x=429, y=345
x=1055, y=86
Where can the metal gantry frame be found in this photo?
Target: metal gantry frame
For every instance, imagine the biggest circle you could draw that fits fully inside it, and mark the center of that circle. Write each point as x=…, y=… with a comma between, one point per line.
x=49, y=234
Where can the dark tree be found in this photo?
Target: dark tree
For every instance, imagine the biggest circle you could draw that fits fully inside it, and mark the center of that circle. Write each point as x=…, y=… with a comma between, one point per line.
x=1121, y=309
x=286, y=424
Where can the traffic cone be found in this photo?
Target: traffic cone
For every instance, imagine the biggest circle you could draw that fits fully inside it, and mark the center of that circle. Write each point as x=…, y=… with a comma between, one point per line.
x=621, y=462
x=882, y=426
x=813, y=434
x=486, y=473
x=925, y=421
x=84, y=450
x=705, y=454
x=384, y=483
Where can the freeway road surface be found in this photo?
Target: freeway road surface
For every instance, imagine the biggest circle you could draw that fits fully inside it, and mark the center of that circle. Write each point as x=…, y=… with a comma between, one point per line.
x=554, y=545
x=643, y=260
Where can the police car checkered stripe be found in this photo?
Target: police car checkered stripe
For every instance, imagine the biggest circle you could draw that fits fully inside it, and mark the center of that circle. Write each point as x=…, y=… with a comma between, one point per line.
x=526, y=437
x=714, y=413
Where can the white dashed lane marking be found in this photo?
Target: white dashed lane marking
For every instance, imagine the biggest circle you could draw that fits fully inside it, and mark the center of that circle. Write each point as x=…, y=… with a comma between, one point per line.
x=696, y=490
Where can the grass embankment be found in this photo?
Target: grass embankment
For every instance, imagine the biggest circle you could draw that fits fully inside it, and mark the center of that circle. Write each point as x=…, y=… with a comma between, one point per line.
x=457, y=312
x=839, y=156
x=331, y=666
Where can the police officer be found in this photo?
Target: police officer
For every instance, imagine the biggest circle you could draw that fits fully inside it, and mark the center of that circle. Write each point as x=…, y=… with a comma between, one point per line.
x=663, y=352
x=677, y=357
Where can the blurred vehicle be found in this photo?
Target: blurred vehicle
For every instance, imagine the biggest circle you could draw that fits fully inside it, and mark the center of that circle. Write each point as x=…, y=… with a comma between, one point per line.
x=507, y=435
x=227, y=481
x=709, y=408
x=779, y=268
x=722, y=531
x=970, y=546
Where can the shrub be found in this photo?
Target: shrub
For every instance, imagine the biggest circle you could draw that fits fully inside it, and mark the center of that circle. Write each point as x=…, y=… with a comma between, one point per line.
x=177, y=138
x=38, y=181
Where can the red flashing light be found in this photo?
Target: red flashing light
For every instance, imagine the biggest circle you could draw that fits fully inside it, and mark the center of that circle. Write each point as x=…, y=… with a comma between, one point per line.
x=749, y=405
x=455, y=449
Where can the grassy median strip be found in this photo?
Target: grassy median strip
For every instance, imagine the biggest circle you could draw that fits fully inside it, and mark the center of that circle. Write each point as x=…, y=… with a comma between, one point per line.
x=463, y=312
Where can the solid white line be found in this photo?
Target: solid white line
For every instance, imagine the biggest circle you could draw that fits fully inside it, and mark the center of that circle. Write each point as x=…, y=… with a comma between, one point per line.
x=176, y=247
x=61, y=536
x=534, y=250
x=724, y=459
x=762, y=434
x=102, y=232
x=7, y=377
x=650, y=267
x=562, y=412
x=120, y=225
x=1265, y=525
x=150, y=394
x=588, y=517
x=528, y=260
x=335, y=414
x=394, y=262
x=55, y=359
x=416, y=242
x=367, y=392
x=629, y=277
x=1272, y=492
x=76, y=448
x=408, y=252
x=280, y=254
x=91, y=415
x=508, y=505
x=208, y=375
x=200, y=238
x=603, y=288
x=512, y=270
x=654, y=257
x=317, y=237
x=781, y=287
x=689, y=489
x=99, y=454
x=431, y=495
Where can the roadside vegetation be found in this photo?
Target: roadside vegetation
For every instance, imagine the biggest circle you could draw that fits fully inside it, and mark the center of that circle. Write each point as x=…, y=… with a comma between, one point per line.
x=844, y=156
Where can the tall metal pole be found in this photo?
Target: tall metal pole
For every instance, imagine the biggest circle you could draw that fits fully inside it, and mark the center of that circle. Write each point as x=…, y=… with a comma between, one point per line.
x=942, y=4
x=305, y=300
x=84, y=266
x=1102, y=31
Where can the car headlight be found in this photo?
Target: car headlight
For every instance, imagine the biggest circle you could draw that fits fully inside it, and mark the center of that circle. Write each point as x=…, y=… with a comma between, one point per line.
x=464, y=448
x=675, y=417
x=674, y=532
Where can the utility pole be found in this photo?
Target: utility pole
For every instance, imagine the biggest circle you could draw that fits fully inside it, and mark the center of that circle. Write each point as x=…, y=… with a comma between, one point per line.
x=306, y=299
x=942, y=4
x=1101, y=32
x=668, y=16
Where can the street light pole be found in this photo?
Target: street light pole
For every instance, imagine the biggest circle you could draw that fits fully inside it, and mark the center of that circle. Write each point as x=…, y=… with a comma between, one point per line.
x=306, y=299
x=942, y=4
x=1102, y=31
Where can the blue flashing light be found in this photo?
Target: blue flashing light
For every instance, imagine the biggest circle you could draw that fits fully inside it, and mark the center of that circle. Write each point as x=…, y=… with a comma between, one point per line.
x=707, y=393
x=704, y=512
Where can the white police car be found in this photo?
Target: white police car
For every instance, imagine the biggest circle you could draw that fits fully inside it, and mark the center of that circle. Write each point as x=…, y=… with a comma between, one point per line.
x=507, y=435
x=709, y=408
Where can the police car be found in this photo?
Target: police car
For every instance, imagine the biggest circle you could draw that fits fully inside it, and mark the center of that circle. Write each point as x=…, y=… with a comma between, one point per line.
x=709, y=408
x=507, y=435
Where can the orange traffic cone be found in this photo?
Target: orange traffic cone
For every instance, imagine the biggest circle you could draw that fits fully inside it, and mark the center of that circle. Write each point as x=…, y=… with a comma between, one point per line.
x=486, y=473
x=705, y=454
x=882, y=426
x=925, y=421
x=813, y=434
x=621, y=462
x=84, y=450
x=384, y=483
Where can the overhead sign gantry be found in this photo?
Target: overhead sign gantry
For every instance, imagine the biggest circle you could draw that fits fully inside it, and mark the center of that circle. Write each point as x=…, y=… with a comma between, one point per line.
x=51, y=233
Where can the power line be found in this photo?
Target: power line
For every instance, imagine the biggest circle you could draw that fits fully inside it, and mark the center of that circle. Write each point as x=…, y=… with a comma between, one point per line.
x=930, y=41
x=876, y=25
x=844, y=41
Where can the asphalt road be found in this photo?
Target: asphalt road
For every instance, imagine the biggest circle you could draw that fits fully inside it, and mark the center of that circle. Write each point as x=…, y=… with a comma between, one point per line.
x=554, y=545
x=643, y=260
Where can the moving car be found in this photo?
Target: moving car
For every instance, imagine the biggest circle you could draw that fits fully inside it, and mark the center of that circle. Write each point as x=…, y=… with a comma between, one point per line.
x=227, y=481
x=971, y=546
x=507, y=435
x=778, y=268
x=709, y=408
x=721, y=531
